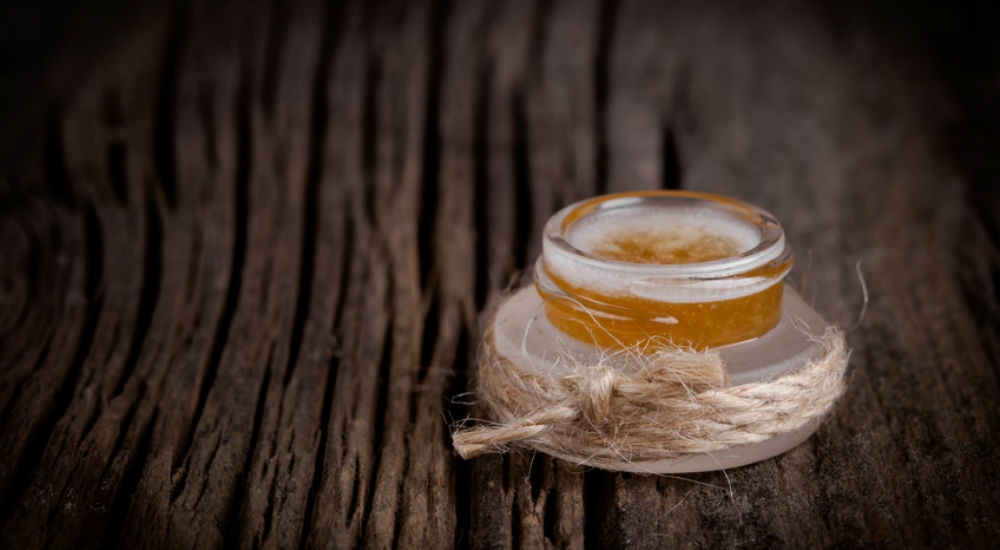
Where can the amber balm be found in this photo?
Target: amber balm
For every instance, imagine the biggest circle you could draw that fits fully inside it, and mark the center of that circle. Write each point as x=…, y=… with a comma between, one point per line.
x=663, y=268
x=624, y=275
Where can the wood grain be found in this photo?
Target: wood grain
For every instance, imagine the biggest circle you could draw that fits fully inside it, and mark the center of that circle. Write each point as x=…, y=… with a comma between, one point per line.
x=250, y=247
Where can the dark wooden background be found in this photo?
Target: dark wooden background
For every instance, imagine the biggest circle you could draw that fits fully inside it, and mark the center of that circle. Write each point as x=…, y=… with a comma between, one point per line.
x=246, y=250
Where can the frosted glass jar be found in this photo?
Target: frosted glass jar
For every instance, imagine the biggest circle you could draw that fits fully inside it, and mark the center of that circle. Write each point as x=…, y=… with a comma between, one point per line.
x=603, y=292
x=663, y=267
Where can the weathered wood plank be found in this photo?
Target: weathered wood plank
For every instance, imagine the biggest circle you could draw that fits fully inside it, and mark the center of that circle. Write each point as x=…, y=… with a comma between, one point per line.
x=103, y=152
x=249, y=258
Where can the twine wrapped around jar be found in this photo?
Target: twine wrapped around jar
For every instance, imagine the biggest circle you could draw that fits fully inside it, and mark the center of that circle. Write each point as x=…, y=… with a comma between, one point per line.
x=676, y=403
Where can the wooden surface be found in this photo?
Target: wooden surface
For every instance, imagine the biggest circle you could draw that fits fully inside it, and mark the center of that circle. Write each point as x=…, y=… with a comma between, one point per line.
x=248, y=249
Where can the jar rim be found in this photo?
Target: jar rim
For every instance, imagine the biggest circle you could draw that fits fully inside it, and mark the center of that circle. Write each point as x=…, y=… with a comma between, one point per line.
x=772, y=246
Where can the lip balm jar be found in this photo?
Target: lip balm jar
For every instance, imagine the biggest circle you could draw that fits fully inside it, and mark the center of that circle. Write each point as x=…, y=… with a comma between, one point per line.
x=623, y=275
x=663, y=267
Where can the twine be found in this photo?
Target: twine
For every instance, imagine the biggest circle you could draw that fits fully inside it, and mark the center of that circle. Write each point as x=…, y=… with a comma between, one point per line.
x=676, y=403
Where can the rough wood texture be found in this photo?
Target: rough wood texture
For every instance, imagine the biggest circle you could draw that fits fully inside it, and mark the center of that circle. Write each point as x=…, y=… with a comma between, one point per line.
x=249, y=247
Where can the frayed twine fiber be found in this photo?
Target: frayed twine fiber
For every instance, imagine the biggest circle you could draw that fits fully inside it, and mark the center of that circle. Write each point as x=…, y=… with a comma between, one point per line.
x=676, y=404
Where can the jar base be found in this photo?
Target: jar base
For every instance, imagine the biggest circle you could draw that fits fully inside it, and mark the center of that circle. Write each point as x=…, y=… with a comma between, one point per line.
x=523, y=335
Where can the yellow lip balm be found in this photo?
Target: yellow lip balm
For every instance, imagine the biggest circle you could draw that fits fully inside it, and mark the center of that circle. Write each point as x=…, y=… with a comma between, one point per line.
x=650, y=268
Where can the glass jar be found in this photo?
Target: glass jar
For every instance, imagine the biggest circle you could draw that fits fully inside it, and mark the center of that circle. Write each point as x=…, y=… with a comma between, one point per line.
x=652, y=268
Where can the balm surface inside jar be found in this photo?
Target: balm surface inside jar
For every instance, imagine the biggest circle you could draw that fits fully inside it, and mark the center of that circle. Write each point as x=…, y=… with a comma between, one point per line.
x=663, y=267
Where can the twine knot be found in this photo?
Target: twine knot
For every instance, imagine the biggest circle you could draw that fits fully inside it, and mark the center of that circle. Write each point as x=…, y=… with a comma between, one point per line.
x=595, y=389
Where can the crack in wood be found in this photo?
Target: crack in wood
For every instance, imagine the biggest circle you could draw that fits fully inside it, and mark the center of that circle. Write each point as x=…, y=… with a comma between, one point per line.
x=481, y=177
x=149, y=294
x=522, y=181
x=241, y=488
x=671, y=175
x=602, y=89
x=437, y=57
x=115, y=530
x=239, y=216
x=164, y=150
x=277, y=28
x=116, y=147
